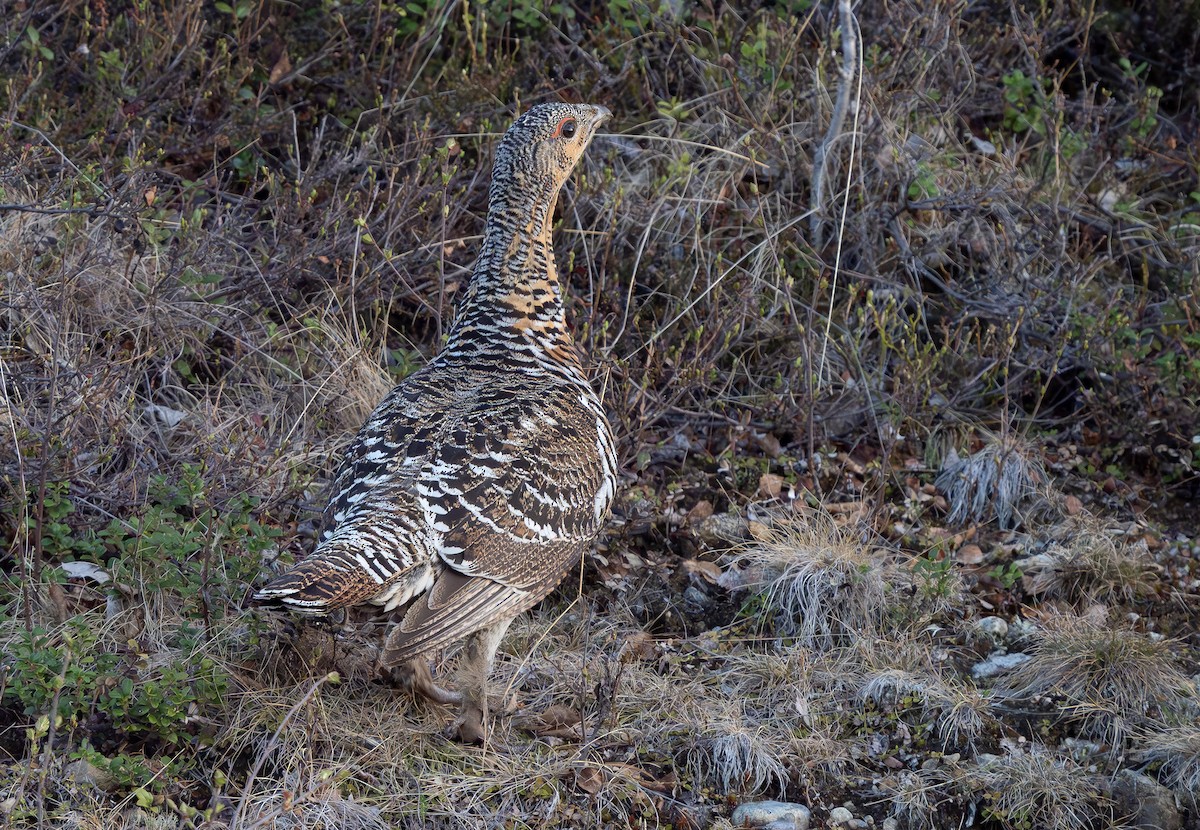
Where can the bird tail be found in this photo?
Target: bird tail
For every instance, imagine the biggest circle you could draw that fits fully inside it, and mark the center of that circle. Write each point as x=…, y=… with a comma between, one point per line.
x=320, y=584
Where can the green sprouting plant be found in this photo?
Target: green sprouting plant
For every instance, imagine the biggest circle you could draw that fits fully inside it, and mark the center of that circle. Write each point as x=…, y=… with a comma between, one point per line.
x=924, y=184
x=633, y=16
x=935, y=572
x=56, y=670
x=1024, y=103
x=1007, y=575
x=34, y=43
x=1146, y=120
x=238, y=11
x=129, y=771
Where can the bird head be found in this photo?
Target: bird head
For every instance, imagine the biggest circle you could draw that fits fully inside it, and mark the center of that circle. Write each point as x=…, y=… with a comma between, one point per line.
x=541, y=148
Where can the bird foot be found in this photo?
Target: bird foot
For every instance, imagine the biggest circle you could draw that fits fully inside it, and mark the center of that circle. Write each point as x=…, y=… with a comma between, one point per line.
x=416, y=677
x=468, y=727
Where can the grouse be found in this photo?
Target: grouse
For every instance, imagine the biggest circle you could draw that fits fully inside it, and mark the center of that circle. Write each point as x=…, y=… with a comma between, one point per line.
x=478, y=482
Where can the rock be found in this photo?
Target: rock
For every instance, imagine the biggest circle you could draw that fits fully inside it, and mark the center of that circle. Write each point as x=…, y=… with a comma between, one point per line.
x=695, y=601
x=840, y=816
x=772, y=815
x=994, y=628
x=1080, y=750
x=997, y=664
x=82, y=772
x=1148, y=804
x=723, y=528
x=890, y=823
x=1020, y=630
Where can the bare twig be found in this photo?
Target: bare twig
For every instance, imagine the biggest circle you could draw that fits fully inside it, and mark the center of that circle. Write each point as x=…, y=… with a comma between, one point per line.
x=93, y=211
x=848, y=73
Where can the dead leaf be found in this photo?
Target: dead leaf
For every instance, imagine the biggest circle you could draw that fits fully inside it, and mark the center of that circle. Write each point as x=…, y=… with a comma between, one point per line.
x=59, y=601
x=700, y=511
x=150, y=195
x=710, y=572
x=969, y=555
x=282, y=67
x=770, y=485
x=558, y=715
x=86, y=570
x=1073, y=505
x=589, y=779
x=639, y=646
x=760, y=531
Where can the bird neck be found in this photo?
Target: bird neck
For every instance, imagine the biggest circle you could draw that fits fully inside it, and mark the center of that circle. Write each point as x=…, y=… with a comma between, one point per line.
x=515, y=295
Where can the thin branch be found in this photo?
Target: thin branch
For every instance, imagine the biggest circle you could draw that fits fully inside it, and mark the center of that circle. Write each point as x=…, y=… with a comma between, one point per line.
x=93, y=211
x=848, y=72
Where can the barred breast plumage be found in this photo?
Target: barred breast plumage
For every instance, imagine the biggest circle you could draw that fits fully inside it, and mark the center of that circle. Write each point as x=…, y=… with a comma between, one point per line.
x=481, y=479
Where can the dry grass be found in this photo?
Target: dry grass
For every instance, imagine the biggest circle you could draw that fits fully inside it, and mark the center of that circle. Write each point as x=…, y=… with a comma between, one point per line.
x=1177, y=752
x=1085, y=563
x=901, y=675
x=993, y=482
x=275, y=213
x=1104, y=675
x=1035, y=788
x=823, y=584
x=919, y=797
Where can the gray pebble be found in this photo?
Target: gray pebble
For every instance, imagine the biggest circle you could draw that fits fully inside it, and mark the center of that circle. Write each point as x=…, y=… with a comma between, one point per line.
x=1149, y=805
x=840, y=816
x=772, y=815
x=997, y=664
x=994, y=628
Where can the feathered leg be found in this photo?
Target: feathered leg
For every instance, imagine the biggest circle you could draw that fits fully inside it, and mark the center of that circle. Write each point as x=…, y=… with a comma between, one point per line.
x=481, y=655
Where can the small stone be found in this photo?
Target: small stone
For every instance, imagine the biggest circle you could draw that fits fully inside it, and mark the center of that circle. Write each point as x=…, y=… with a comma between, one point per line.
x=997, y=664
x=1019, y=630
x=890, y=823
x=840, y=816
x=1149, y=805
x=994, y=628
x=1081, y=750
x=83, y=772
x=723, y=528
x=772, y=815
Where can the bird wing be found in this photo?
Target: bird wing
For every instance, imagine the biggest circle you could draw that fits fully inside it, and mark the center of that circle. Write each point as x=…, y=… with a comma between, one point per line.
x=523, y=481
x=524, y=487
x=503, y=484
x=388, y=453
x=456, y=605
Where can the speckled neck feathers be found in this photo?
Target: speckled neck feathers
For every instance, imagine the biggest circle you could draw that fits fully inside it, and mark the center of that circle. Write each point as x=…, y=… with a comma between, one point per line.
x=514, y=299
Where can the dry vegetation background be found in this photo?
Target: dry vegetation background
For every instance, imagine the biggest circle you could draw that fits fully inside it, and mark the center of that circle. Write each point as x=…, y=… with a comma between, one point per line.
x=940, y=408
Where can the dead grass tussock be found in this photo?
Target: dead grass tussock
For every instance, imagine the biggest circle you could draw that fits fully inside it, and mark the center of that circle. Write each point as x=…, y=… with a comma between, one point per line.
x=895, y=676
x=1109, y=677
x=820, y=583
x=1036, y=788
x=918, y=796
x=1084, y=562
x=1177, y=752
x=740, y=755
x=994, y=482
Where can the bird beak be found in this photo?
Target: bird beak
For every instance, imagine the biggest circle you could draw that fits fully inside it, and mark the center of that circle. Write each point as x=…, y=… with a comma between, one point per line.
x=602, y=114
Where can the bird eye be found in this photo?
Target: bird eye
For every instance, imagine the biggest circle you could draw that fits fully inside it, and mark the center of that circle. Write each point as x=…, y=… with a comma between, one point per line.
x=566, y=128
